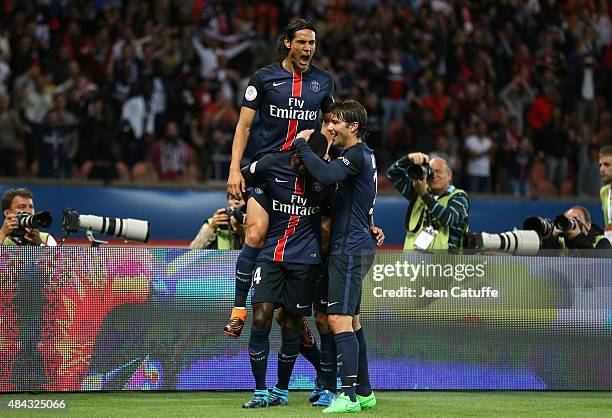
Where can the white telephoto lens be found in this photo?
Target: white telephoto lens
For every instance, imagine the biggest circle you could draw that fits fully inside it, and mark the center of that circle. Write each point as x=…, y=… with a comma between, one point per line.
x=136, y=230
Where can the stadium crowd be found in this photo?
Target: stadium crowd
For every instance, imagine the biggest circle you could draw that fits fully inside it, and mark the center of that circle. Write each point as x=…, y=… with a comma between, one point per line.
x=515, y=94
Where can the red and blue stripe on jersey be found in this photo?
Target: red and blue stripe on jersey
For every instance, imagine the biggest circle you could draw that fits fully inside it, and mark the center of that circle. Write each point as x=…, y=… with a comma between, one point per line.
x=281, y=244
x=287, y=103
x=294, y=208
x=293, y=123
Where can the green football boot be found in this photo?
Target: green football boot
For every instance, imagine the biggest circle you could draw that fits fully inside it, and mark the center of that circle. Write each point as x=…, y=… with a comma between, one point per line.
x=343, y=405
x=367, y=402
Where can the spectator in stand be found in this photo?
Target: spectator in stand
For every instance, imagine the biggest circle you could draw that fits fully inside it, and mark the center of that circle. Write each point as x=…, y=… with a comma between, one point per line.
x=56, y=147
x=5, y=72
x=437, y=101
x=10, y=135
x=603, y=135
x=394, y=102
x=521, y=161
x=202, y=147
x=420, y=121
x=444, y=151
x=540, y=112
x=517, y=96
x=100, y=149
x=552, y=142
x=140, y=113
x=586, y=152
x=479, y=148
x=172, y=158
x=209, y=50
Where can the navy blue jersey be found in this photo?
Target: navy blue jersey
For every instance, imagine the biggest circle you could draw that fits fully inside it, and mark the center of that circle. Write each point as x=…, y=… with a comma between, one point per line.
x=287, y=104
x=294, y=208
x=352, y=207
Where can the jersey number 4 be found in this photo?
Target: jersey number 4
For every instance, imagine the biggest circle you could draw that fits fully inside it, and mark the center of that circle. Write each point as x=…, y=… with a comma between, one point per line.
x=257, y=275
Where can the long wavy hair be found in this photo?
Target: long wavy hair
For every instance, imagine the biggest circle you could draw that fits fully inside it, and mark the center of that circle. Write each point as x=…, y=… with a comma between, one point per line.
x=293, y=26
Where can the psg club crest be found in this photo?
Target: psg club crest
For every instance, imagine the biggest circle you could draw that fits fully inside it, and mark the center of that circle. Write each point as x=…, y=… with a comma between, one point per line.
x=317, y=186
x=315, y=86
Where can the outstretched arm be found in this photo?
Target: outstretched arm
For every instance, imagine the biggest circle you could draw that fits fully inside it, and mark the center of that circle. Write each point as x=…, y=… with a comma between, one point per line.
x=235, y=182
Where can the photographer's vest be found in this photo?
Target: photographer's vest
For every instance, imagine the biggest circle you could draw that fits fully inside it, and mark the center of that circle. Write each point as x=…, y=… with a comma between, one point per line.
x=418, y=218
x=44, y=236
x=605, y=194
x=561, y=241
x=226, y=240
x=606, y=203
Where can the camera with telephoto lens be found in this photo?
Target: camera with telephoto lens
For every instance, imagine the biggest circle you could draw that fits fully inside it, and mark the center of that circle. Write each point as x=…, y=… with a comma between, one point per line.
x=40, y=220
x=237, y=213
x=544, y=227
x=516, y=242
x=128, y=229
x=566, y=224
x=419, y=171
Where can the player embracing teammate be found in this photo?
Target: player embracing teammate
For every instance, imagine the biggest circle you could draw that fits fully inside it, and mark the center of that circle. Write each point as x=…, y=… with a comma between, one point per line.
x=351, y=245
x=289, y=97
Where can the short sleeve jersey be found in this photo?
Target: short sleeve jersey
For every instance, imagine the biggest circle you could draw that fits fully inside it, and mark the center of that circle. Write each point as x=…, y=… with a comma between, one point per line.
x=287, y=104
x=295, y=203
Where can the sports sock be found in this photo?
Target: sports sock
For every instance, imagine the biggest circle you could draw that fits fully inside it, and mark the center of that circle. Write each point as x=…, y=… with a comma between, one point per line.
x=313, y=355
x=363, y=377
x=329, y=367
x=244, y=274
x=259, y=349
x=348, y=355
x=289, y=350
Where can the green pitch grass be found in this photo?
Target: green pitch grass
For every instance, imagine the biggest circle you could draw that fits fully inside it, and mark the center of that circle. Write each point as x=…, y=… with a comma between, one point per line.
x=390, y=404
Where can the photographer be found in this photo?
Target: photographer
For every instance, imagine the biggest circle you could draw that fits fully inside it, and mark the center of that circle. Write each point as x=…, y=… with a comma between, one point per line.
x=225, y=230
x=437, y=216
x=605, y=194
x=579, y=232
x=14, y=202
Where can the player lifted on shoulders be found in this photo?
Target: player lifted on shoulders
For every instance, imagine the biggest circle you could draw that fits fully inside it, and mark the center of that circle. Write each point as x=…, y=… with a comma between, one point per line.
x=289, y=96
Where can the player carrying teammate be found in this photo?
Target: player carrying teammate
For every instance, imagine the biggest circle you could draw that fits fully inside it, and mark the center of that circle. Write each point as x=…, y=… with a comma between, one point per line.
x=285, y=268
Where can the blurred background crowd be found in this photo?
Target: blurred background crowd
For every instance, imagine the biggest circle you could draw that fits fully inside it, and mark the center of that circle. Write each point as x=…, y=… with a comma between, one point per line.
x=515, y=94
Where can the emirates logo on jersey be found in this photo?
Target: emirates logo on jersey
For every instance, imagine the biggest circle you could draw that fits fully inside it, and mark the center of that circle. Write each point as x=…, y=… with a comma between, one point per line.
x=315, y=86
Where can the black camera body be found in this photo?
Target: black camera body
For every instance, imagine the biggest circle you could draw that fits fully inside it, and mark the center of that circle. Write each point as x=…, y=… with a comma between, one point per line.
x=566, y=224
x=544, y=227
x=39, y=220
x=237, y=213
x=419, y=171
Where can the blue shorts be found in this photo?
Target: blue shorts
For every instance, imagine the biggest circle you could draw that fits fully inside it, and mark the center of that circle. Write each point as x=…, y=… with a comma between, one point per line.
x=346, y=273
x=259, y=195
x=284, y=284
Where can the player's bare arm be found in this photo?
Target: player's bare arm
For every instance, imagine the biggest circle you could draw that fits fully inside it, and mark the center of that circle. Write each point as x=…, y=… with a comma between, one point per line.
x=235, y=182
